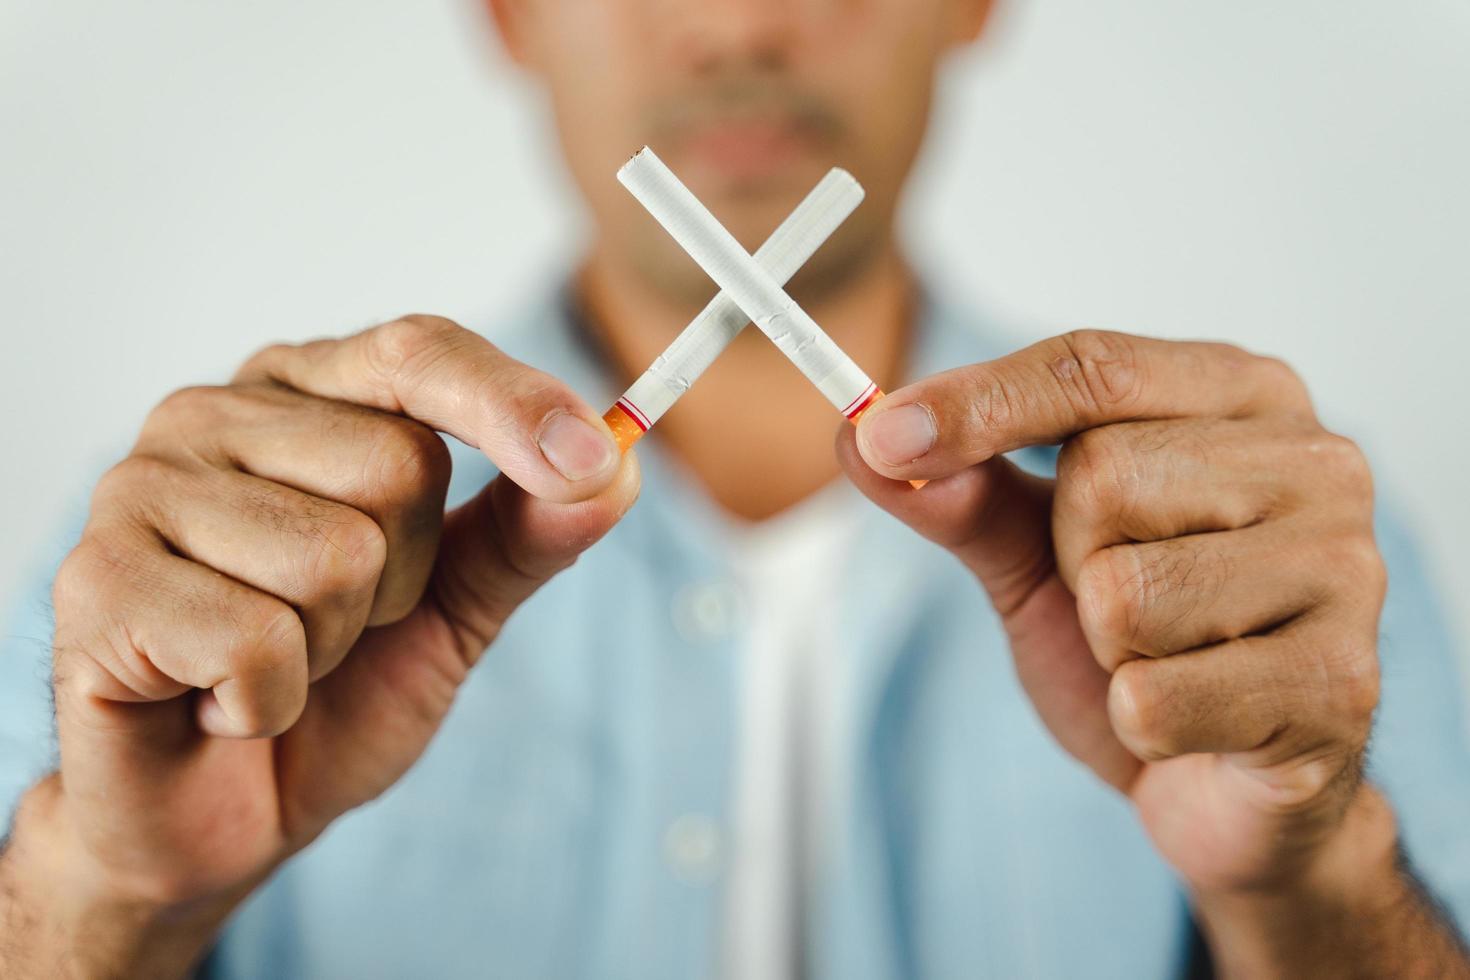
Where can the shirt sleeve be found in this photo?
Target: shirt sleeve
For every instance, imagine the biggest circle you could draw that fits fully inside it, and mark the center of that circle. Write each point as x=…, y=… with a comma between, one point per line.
x=1420, y=754
x=27, y=730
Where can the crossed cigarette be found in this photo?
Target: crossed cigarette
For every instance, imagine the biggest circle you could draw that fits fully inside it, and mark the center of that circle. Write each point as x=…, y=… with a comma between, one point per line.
x=751, y=291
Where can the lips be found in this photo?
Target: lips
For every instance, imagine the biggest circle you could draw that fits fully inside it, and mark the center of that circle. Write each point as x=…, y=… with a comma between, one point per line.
x=748, y=150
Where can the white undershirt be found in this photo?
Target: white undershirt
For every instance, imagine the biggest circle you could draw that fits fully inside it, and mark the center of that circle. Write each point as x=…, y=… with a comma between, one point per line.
x=791, y=678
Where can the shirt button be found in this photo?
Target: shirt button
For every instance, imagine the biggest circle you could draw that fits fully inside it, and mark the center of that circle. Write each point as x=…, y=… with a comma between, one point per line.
x=706, y=611
x=692, y=848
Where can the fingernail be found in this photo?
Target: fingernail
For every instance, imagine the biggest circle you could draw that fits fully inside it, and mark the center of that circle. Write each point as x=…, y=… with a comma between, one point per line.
x=575, y=448
x=900, y=435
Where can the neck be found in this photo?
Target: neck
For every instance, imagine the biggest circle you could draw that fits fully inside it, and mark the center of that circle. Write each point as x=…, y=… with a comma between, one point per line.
x=776, y=449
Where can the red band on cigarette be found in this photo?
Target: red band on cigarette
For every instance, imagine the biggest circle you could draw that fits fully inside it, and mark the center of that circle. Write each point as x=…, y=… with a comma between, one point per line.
x=861, y=402
x=633, y=412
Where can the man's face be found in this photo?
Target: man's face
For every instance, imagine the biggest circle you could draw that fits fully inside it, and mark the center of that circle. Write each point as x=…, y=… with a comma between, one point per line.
x=749, y=101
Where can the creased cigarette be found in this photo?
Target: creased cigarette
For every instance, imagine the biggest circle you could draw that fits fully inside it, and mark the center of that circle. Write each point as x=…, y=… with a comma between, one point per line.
x=749, y=286
x=671, y=374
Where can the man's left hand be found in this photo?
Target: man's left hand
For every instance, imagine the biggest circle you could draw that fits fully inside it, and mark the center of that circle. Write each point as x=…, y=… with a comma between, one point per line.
x=1192, y=603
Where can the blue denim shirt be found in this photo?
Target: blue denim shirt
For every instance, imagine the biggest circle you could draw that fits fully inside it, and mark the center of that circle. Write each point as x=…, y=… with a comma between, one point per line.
x=567, y=820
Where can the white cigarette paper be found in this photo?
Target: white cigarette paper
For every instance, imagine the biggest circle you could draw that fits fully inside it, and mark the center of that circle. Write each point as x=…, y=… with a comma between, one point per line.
x=671, y=374
x=751, y=287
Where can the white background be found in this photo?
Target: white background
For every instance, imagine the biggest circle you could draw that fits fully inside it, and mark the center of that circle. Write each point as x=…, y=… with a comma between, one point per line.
x=181, y=182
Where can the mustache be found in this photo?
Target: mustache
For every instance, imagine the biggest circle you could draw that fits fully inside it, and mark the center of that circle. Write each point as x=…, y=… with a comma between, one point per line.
x=739, y=98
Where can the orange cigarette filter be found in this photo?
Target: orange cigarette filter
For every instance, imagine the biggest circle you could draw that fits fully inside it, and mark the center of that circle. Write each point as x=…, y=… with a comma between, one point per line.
x=625, y=428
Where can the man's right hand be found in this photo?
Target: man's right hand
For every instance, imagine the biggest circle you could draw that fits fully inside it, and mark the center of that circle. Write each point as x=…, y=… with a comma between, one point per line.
x=269, y=612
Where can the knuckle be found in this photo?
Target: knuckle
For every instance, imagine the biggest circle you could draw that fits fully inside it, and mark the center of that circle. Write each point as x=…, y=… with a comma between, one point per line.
x=1358, y=688
x=190, y=399
x=1348, y=682
x=1095, y=475
x=92, y=621
x=259, y=364
x=1356, y=556
x=1277, y=374
x=1139, y=711
x=1097, y=369
x=85, y=578
x=347, y=556
x=397, y=344
x=1363, y=690
x=272, y=638
x=409, y=460
x=138, y=477
x=1232, y=356
x=186, y=408
x=1361, y=552
x=1279, y=380
x=70, y=585
x=1344, y=458
x=1102, y=600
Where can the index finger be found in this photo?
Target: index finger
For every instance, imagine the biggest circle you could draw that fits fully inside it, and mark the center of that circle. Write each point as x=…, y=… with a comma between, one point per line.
x=1059, y=387
x=533, y=427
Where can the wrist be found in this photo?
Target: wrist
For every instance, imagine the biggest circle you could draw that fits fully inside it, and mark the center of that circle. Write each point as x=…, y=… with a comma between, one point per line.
x=62, y=914
x=1352, y=878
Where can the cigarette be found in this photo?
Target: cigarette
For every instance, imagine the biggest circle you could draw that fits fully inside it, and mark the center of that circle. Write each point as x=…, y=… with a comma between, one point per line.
x=671, y=374
x=749, y=286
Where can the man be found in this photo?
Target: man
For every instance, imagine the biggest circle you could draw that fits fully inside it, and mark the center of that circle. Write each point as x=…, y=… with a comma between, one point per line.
x=762, y=728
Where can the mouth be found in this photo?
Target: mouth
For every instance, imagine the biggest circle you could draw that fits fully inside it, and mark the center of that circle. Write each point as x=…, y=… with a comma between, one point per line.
x=745, y=151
